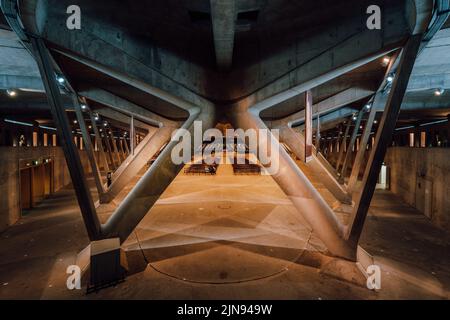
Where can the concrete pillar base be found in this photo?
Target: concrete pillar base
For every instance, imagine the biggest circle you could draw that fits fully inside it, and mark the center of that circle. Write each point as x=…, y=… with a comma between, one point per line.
x=102, y=264
x=349, y=271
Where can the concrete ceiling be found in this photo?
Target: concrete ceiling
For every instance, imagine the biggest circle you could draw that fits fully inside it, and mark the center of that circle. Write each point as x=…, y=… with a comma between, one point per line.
x=181, y=41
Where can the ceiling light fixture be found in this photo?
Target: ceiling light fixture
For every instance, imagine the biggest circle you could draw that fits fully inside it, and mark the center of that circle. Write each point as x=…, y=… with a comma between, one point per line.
x=11, y=92
x=390, y=78
x=439, y=92
x=60, y=79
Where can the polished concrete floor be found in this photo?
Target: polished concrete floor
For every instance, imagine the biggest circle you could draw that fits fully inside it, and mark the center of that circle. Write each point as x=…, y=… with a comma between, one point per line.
x=224, y=236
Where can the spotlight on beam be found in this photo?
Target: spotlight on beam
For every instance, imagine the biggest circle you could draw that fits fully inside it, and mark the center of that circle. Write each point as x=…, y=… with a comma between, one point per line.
x=11, y=92
x=390, y=78
x=368, y=106
x=83, y=107
x=60, y=79
x=439, y=92
x=386, y=61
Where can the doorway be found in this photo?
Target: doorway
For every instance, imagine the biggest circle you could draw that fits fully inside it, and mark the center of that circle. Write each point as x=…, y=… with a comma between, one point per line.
x=26, y=202
x=424, y=196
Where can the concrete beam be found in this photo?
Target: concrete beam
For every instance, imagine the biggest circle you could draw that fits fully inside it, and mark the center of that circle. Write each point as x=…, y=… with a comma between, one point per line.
x=223, y=16
x=326, y=106
x=124, y=106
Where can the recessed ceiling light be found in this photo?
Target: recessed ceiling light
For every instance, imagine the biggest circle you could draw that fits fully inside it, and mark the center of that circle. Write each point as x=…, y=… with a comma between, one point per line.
x=439, y=92
x=11, y=92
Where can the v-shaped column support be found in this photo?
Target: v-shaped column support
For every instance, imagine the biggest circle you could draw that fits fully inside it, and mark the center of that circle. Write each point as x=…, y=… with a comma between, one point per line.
x=341, y=240
x=143, y=196
x=150, y=146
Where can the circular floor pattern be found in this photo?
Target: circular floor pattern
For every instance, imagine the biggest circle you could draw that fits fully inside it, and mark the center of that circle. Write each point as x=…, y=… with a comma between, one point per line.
x=222, y=229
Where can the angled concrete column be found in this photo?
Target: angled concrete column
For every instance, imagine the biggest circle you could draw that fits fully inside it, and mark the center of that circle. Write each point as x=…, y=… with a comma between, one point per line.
x=122, y=150
x=99, y=141
x=294, y=139
x=133, y=164
x=308, y=126
x=148, y=190
x=383, y=138
x=378, y=104
x=295, y=142
x=318, y=134
x=344, y=147
x=132, y=136
x=145, y=150
x=299, y=189
x=351, y=144
x=115, y=150
x=75, y=167
x=127, y=149
x=88, y=145
x=362, y=147
x=110, y=152
x=223, y=17
x=448, y=130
